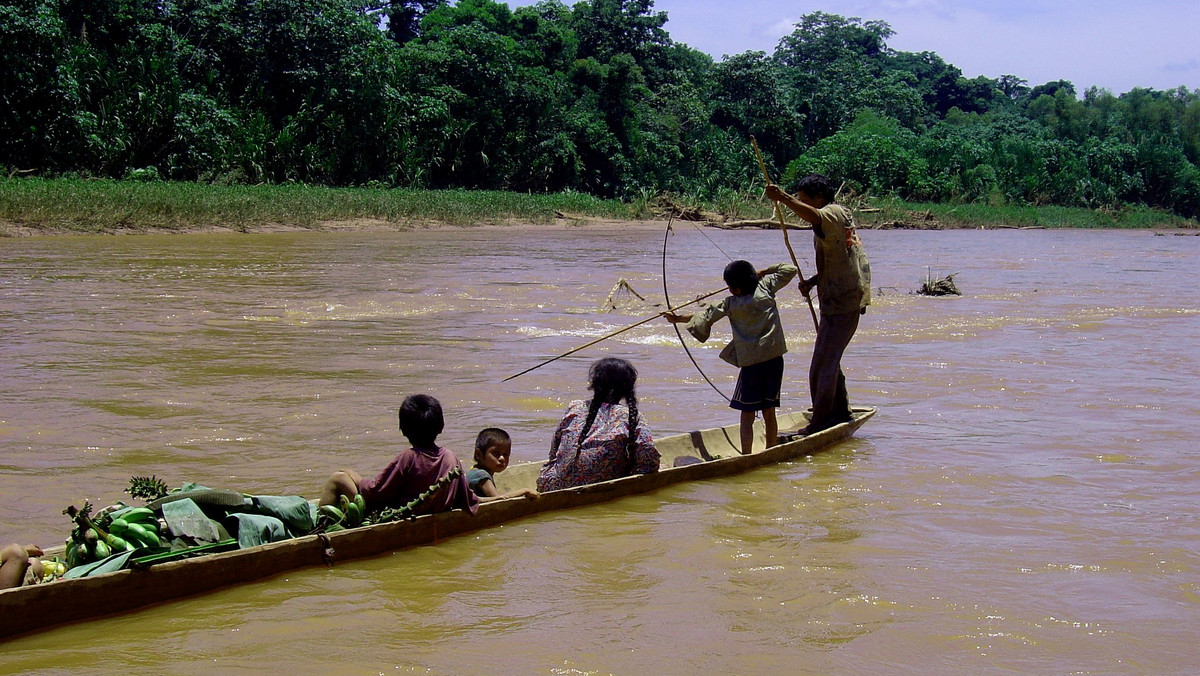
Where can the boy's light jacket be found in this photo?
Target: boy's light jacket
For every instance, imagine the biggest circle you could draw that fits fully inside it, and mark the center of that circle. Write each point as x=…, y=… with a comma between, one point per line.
x=754, y=318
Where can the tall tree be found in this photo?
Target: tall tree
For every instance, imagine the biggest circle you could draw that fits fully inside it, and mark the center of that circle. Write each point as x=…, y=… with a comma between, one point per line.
x=942, y=85
x=608, y=28
x=39, y=94
x=750, y=98
x=404, y=17
x=835, y=67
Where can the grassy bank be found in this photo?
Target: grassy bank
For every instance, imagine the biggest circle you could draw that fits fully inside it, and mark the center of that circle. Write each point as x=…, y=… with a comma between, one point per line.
x=88, y=206
x=898, y=213
x=48, y=206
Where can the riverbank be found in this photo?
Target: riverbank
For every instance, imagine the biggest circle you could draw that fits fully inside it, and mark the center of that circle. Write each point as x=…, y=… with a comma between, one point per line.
x=894, y=213
x=35, y=206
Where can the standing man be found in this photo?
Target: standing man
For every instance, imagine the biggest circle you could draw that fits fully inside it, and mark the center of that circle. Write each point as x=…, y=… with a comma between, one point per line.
x=843, y=282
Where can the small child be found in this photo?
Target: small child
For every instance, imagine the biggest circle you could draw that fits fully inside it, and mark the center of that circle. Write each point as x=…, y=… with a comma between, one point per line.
x=492, y=448
x=413, y=471
x=758, y=343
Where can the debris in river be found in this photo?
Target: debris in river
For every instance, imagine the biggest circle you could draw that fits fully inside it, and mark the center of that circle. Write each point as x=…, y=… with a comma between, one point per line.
x=914, y=220
x=943, y=286
x=622, y=297
x=666, y=205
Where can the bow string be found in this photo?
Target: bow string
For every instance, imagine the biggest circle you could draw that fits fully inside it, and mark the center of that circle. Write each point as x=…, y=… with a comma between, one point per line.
x=667, y=297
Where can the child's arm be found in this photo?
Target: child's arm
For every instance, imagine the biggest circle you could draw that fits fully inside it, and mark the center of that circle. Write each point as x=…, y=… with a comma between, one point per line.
x=701, y=323
x=527, y=493
x=777, y=276
x=487, y=489
x=488, y=493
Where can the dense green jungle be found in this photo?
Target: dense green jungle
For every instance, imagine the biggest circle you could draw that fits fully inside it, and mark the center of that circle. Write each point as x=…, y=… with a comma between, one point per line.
x=593, y=98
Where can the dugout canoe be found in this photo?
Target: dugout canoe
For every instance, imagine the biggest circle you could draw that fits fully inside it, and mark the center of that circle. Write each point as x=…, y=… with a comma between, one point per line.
x=693, y=456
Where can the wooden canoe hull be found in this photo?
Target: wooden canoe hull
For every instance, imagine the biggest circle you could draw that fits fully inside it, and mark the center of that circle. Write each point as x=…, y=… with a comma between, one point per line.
x=706, y=454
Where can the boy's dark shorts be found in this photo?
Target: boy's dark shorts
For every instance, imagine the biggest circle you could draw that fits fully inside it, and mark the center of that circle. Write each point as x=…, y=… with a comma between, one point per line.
x=758, y=386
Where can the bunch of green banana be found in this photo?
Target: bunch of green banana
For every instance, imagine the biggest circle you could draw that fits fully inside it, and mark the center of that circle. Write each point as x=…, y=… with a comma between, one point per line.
x=138, y=526
x=348, y=513
x=135, y=528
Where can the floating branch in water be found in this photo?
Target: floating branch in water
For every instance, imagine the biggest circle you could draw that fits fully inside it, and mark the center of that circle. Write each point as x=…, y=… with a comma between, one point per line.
x=618, y=298
x=943, y=286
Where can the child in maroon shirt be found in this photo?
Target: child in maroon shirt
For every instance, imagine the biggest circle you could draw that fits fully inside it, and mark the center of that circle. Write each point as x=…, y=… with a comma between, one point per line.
x=411, y=472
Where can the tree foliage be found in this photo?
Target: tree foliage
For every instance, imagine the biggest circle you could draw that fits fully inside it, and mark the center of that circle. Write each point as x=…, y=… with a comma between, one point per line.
x=593, y=96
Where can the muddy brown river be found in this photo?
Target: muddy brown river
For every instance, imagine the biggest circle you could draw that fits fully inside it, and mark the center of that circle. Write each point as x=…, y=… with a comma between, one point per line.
x=1025, y=501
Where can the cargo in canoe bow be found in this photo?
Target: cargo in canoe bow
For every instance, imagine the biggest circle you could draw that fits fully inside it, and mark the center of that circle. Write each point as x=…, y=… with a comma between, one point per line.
x=685, y=457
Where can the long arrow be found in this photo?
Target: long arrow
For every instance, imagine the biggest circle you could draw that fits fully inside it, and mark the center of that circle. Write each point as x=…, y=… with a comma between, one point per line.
x=617, y=332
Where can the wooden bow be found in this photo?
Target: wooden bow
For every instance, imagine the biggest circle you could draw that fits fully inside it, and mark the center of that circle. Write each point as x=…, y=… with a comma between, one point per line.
x=667, y=297
x=783, y=227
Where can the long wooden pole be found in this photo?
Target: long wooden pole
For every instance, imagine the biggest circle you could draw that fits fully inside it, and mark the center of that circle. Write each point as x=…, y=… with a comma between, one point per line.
x=617, y=332
x=783, y=227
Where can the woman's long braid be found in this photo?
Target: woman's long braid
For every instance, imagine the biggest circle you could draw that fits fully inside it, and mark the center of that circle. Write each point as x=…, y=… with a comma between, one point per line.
x=593, y=408
x=631, y=442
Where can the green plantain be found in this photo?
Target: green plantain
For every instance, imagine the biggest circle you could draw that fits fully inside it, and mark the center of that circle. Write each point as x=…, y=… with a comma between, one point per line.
x=144, y=535
x=139, y=515
x=334, y=514
x=354, y=515
x=119, y=527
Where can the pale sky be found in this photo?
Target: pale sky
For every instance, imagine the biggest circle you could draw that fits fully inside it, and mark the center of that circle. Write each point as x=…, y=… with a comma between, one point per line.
x=1114, y=44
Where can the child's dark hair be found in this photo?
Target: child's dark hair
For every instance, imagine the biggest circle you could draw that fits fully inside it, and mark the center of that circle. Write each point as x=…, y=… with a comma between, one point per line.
x=488, y=437
x=611, y=380
x=816, y=185
x=421, y=419
x=741, y=277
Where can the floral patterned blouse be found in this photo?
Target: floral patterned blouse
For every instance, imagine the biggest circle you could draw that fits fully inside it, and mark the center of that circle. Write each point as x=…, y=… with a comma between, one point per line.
x=604, y=454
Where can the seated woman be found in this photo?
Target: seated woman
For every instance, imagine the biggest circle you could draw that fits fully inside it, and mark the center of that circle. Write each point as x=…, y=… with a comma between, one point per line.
x=601, y=439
